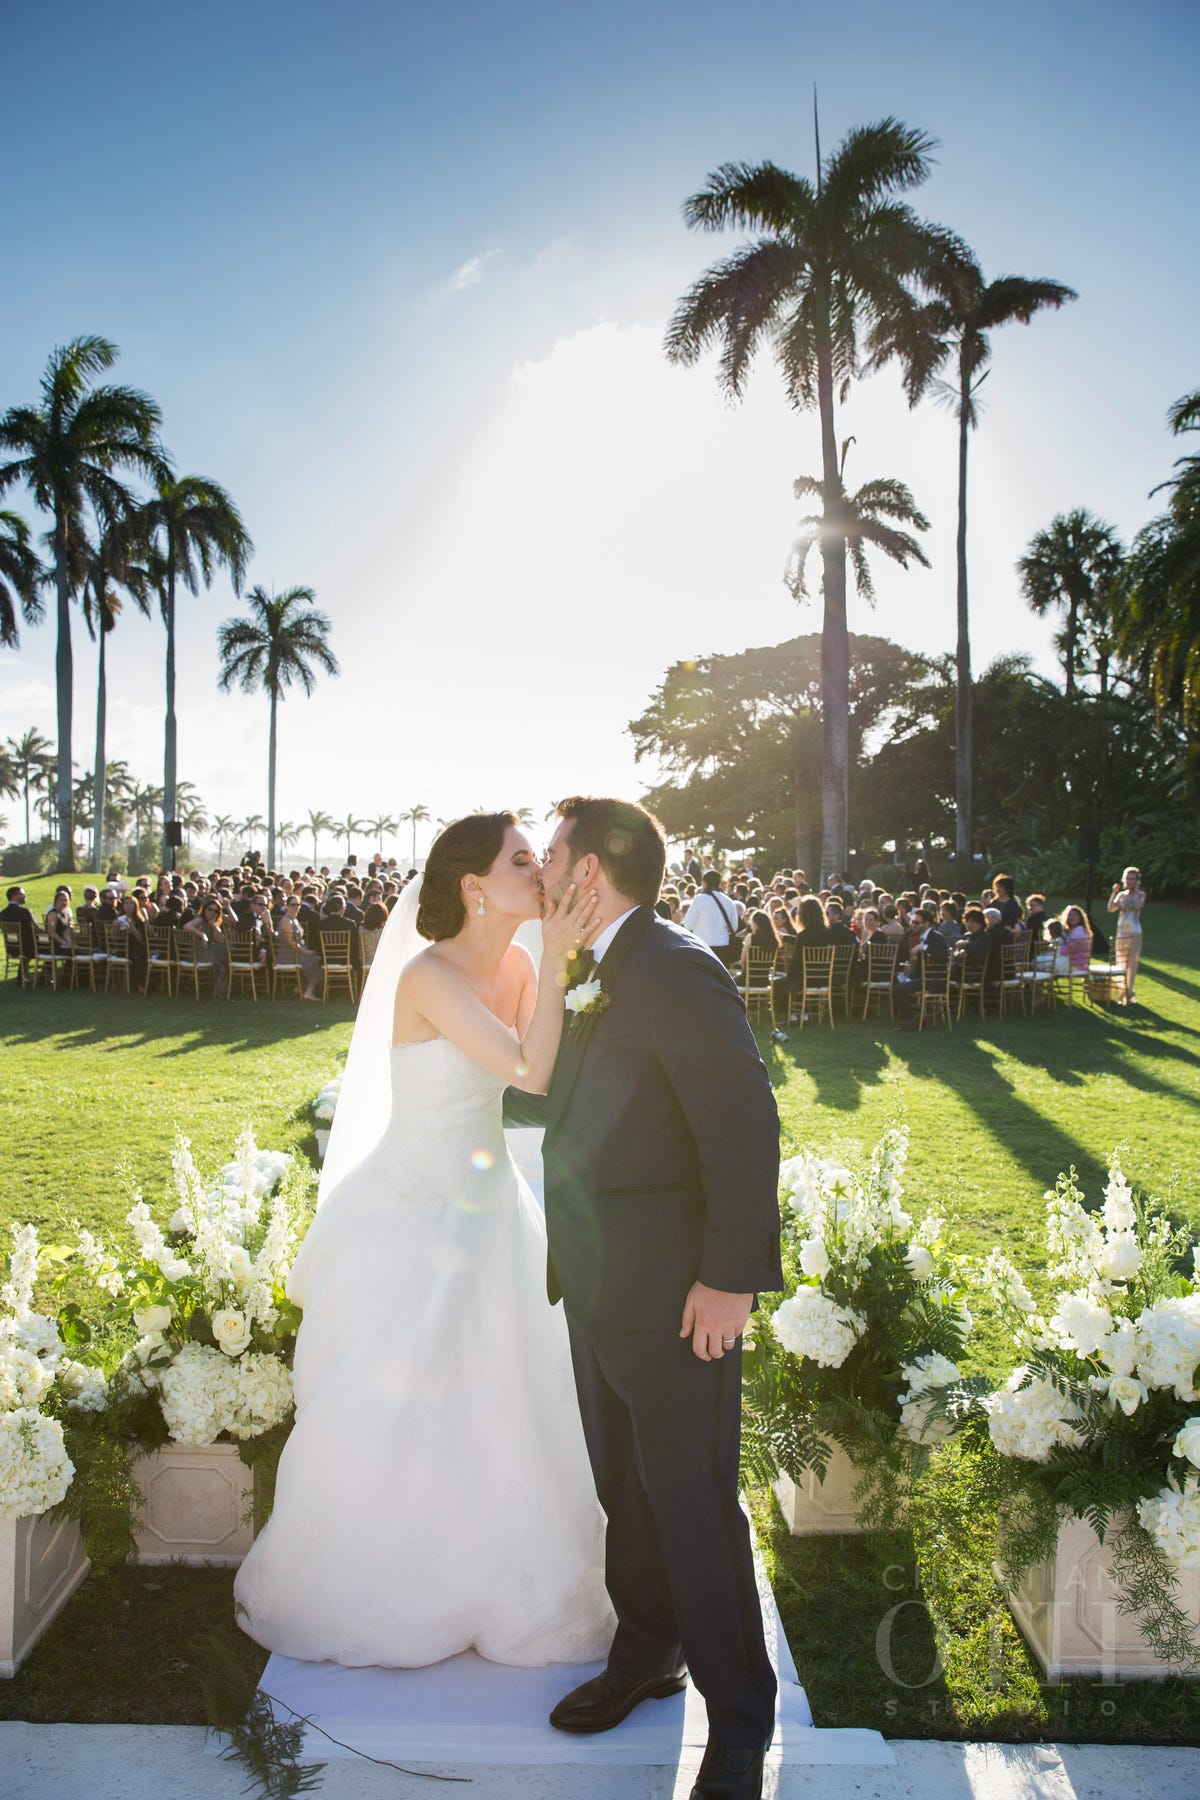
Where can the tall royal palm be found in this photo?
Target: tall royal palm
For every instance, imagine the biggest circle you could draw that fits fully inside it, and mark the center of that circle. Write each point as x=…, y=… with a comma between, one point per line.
x=1072, y=566
x=831, y=261
x=71, y=447
x=224, y=825
x=21, y=575
x=30, y=757
x=317, y=822
x=416, y=815
x=280, y=645
x=953, y=326
x=872, y=517
x=113, y=569
x=194, y=529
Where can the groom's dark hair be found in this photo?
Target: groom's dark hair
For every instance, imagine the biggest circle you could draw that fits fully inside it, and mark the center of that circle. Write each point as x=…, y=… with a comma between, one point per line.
x=627, y=841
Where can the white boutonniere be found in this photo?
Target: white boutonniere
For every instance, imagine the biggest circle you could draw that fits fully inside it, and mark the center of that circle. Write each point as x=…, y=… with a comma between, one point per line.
x=587, y=997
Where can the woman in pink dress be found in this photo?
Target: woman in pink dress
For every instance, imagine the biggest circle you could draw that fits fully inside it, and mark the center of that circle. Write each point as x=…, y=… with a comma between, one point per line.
x=1076, y=940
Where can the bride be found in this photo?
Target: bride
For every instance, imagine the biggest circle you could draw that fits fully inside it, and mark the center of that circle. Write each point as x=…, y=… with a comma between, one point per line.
x=435, y=1493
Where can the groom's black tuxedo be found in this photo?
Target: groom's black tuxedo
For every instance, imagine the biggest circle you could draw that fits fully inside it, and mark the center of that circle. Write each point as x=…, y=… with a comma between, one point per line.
x=661, y=1163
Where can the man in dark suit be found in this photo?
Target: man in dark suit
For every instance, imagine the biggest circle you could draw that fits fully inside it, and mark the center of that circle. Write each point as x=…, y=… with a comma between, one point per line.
x=661, y=1169
x=17, y=913
x=931, y=947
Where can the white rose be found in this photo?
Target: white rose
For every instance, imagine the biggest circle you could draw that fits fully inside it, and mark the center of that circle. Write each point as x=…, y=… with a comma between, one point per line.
x=1120, y=1257
x=152, y=1319
x=814, y=1257
x=583, y=995
x=919, y=1263
x=231, y=1331
x=1126, y=1392
x=241, y=1269
x=839, y=1181
x=1187, y=1442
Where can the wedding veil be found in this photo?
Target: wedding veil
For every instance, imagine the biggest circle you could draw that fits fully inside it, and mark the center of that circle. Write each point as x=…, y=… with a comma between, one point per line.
x=365, y=1102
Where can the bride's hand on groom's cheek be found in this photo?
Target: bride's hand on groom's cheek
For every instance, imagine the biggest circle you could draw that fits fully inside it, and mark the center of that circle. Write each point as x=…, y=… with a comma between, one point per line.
x=571, y=924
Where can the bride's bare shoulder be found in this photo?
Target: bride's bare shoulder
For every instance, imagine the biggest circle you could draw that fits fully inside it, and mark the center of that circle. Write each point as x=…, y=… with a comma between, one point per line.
x=518, y=957
x=428, y=965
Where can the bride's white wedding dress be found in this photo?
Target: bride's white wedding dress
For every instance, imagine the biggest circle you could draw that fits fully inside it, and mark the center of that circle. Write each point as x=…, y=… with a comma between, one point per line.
x=435, y=1493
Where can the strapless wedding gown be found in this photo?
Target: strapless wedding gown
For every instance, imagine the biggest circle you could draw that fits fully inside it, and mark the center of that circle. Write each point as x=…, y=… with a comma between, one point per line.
x=435, y=1493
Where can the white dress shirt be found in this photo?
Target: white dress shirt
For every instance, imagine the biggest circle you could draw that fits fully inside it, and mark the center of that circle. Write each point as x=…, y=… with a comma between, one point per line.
x=609, y=933
x=713, y=918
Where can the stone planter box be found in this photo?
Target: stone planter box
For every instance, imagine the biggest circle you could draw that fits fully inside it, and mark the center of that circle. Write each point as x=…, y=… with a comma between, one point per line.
x=813, y=1507
x=321, y=1133
x=196, y=1506
x=42, y=1562
x=1068, y=1614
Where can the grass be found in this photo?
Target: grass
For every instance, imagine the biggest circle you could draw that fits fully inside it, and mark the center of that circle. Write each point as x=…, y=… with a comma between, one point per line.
x=96, y=1088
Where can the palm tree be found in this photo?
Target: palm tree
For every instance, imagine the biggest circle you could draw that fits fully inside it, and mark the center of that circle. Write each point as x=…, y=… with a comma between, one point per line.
x=31, y=758
x=224, y=826
x=21, y=574
x=194, y=528
x=379, y=827
x=1073, y=564
x=831, y=259
x=862, y=518
x=1158, y=598
x=287, y=834
x=273, y=649
x=118, y=800
x=349, y=827
x=251, y=827
x=69, y=449
x=144, y=802
x=189, y=811
x=318, y=822
x=953, y=324
x=417, y=815
x=112, y=565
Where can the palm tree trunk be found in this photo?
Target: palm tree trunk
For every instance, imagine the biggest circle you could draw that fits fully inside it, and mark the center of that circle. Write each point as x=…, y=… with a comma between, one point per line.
x=28, y=784
x=169, y=744
x=101, y=769
x=413, y=862
x=64, y=682
x=271, y=783
x=964, y=723
x=314, y=852
x=835, y=639
x=1069, y=649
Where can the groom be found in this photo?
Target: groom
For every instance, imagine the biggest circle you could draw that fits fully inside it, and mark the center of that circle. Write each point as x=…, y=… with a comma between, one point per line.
x=662, y=1162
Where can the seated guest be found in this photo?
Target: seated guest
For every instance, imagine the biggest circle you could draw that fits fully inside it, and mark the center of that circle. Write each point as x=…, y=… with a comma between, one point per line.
x=86, y=915
x=17, y=913
x=762, y=934
x=948, y=924
x=974, y=947
x=892, y=927
x=106, y=910
x=1007, y=902
x=873, y=936
x=781, y=918
x=209, y=927
x=134, y=921
x=333, y=918
x=1035, y=919
x=1076, y=939
x=835, y=918
x=60, y=923
x=931, y=949
x=290, y=948
x=354, y=910
x=375, y=914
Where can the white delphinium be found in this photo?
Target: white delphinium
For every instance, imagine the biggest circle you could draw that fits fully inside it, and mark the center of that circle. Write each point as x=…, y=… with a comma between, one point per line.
x=1028, y=1418
x=800, y=1178
x=25, y=1379
x=888, y=1160
x=152, y=1245
x=85, y=1386
x=35, y=1470
x=1172, y=1518
x=189, y=1188
x=100, y=1264
x=998, y=1277
x=16, y=1294
x=1168, y=1344
x=810, y=1324
x=1073, y=1236
x=325, y=1104
x=1082, y=1323
x=1118, y=1211
x=929, y=1231
x=922, y=1418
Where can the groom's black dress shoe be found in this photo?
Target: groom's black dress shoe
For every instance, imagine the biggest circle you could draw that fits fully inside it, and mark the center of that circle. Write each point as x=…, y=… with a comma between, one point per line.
x=729, y=1774
x=604, y=1701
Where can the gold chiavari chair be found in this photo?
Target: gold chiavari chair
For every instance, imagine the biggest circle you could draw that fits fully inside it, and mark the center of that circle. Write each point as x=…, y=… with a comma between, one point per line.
x=756, y=982
x=117, y=965
x=879, y=984
x=337, y=967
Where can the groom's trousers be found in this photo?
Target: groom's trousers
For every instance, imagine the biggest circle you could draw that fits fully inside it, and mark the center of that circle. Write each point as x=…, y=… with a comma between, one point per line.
x=663, y=1432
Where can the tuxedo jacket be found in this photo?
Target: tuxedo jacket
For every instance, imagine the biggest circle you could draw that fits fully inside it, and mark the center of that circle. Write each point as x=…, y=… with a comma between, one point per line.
x=662, y=1139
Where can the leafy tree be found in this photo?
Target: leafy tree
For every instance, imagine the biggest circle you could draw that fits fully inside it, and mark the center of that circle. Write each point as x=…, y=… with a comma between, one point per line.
x=71, y=446
x=273, y=650
x=318, y=822
x=30, y=759
x=21, y=575
x=831, y=260
x=1157, y=603
x=1073, y=565
x=194, y=529
x=952, y=326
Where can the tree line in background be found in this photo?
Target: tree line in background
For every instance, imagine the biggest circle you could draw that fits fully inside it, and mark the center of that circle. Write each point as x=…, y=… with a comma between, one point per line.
x=840, y=277
x=76, y=450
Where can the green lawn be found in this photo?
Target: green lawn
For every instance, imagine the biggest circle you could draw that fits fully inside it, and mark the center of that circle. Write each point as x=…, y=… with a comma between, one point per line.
x=95, y=1090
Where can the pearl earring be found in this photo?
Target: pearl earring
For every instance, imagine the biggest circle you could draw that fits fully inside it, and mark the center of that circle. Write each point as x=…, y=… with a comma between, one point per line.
x=479, y=908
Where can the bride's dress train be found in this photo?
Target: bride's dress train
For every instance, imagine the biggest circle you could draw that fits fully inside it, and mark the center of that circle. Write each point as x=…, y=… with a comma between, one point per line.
x=435, y=1493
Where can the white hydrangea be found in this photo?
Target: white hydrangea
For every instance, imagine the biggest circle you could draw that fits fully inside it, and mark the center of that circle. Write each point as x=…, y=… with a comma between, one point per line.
x=25, y=1379
x=325, y=1104
x=16, y=1293
x=1082, y=1323
x=205, y=1394
x=810, y=1324
x=1029, y=1418
x=261, y=1394
x=1168, y=1345
x=39, y=1333
x=35, y=1470
x=1172, y=1518
x=921, y=1417
x=1118, y=1352
x=85, y=1386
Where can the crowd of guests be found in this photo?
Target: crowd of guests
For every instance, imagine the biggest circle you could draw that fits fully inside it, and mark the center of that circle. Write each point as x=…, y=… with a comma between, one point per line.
x=285, y=916
x=950, y=934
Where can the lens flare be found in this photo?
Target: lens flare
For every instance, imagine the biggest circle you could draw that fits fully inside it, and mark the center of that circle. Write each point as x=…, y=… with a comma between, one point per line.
x=482, y=1161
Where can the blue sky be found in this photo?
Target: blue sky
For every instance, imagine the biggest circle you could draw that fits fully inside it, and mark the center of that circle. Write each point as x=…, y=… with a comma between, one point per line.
x=398, y=278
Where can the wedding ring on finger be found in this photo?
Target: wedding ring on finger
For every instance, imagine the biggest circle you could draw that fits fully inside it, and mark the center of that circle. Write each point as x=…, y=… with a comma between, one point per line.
x=728, y=1343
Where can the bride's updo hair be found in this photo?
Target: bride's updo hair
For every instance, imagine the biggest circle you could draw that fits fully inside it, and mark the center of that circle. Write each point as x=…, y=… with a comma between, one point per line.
x=467, y=847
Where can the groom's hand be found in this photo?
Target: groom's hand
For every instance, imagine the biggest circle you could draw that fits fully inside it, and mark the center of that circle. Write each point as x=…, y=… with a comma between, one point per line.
x=714, y=1320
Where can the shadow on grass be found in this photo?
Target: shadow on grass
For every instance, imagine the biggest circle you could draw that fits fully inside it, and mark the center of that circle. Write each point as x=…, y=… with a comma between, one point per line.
x=116, y=1023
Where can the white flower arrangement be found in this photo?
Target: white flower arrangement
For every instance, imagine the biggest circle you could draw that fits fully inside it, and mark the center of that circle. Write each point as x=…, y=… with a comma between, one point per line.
x=35, y=1470
x=325, y=1104
x=205, y=1394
